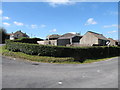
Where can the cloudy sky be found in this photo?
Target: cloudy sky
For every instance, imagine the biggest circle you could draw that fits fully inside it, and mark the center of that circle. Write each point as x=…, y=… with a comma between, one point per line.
x=39, y=19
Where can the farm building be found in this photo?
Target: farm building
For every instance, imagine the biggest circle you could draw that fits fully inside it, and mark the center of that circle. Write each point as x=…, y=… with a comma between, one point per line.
x=50, y=40
x=93, y=39
x=113, y=42
x=68, y=38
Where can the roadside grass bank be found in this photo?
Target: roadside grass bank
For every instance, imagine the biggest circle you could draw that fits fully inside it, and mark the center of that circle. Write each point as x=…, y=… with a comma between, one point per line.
x=46, y=59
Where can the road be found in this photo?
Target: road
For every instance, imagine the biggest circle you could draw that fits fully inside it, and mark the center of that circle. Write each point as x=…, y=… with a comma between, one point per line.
x=19, y=73
x=2, y=44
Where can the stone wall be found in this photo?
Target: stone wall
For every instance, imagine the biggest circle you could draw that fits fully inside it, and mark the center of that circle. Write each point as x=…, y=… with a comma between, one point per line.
x=88, y=39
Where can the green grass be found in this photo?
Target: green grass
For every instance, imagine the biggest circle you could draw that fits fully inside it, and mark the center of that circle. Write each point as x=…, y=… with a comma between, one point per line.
x=45, y=59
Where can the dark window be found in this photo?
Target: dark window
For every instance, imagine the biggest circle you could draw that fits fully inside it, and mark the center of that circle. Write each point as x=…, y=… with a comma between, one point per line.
x=17, y=35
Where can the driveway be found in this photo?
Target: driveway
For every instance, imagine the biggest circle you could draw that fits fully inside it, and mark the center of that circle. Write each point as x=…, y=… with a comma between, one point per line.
x=19, y=73
x=2, y=44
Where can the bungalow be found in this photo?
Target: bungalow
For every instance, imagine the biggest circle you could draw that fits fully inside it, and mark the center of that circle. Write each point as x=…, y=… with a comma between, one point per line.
x=18, y=35
x=68, y=38
x=93, y=39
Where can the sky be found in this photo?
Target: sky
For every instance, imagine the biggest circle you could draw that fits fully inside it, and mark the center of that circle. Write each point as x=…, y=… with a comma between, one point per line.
x=39, y=19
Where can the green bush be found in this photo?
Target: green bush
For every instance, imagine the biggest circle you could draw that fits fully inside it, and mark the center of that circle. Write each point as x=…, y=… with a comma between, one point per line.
x=28, y=40
x=78, y=53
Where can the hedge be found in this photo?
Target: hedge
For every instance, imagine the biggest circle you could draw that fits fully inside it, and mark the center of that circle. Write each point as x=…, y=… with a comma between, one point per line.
x=78, y=53
x=28, y=40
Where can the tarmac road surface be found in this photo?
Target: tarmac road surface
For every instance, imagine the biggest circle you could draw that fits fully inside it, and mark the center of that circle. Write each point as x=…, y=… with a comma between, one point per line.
x=17, y=73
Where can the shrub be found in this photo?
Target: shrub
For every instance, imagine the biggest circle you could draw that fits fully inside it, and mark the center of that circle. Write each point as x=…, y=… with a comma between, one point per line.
x=78, y=53
x=28, y=40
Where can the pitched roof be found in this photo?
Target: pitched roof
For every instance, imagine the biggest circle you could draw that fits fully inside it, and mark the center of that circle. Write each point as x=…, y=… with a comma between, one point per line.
x=24, y=34
x=18, y=32
x=99, y=36
x=112, y=39
x=53, y=36
x=68, y=36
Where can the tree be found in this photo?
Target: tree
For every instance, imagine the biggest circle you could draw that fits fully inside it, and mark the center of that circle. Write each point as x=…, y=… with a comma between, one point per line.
x=3, y=35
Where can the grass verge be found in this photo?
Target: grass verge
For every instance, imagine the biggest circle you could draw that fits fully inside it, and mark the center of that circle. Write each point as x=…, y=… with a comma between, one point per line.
x=45, y=59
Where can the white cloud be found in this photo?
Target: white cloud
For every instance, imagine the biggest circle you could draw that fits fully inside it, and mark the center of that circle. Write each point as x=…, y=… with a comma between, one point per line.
x=91, y=21
x=18, y=23
x=33, y=26
x=1, y=12
x=54, y=3
x=53, y=30
x=109, y=26
x=114, y=31
x=6, y=24
x=6, y=18
x=42, y=26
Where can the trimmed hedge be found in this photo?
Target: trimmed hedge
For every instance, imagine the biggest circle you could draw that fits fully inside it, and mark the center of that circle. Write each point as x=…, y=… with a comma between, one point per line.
x=28, y=40
x=78, y=53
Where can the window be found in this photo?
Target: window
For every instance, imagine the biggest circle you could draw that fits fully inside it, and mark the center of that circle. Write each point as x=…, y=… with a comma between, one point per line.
x=17, y=35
